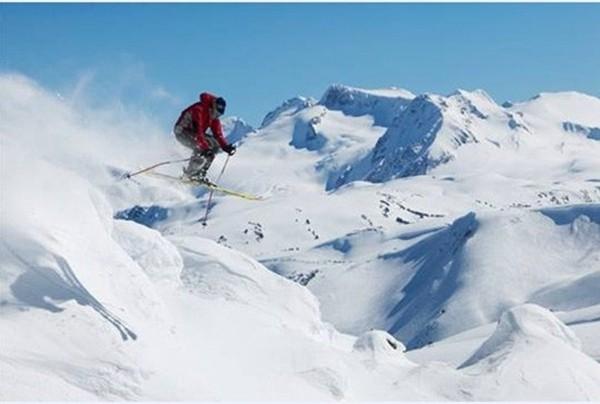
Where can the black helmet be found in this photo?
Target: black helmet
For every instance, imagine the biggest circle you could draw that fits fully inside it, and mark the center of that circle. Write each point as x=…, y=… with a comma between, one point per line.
x=220, y=104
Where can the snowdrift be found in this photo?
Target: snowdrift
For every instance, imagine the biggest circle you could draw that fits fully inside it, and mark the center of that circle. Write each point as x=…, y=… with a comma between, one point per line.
x=532, y=355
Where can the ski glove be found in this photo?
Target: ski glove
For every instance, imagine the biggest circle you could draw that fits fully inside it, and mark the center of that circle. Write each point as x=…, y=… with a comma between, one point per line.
x=207, y=153
x=230, y=149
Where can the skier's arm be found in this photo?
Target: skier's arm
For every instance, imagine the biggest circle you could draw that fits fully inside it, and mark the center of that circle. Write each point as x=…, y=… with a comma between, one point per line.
x=217, y=130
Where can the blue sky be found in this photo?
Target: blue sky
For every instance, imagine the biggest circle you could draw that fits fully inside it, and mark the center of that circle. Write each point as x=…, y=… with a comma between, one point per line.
x=160, y=56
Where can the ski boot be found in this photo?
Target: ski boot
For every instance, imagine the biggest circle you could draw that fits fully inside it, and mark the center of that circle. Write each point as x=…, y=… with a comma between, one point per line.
x=197, y=177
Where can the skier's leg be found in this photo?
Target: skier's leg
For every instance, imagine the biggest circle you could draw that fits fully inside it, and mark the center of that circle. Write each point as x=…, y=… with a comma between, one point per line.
x=186, y=138
x=197, y=160
x=195, y=168
x=209, y=155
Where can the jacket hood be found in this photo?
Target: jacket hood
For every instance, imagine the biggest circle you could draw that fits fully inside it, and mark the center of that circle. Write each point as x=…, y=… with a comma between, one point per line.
x=207, y=98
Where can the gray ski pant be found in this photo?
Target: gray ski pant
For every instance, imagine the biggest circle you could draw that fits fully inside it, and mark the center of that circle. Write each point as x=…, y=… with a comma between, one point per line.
x=201, y=160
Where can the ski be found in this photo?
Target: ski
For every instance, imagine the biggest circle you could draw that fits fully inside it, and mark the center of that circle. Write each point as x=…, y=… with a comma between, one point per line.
x=206, y=184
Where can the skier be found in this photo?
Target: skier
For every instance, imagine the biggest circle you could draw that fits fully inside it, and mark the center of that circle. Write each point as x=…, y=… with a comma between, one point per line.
x=191, y=131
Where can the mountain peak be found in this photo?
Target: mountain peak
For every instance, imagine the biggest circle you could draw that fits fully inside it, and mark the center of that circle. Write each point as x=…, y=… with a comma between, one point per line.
x=236, y=128
x=428, y=131
x=562, y=97
x=289, y=107
x=566, y=106
x=554, y=94
x=403, y=150
x=336, y=91
x=477, y=98
x=478, y=92
x=383, y=104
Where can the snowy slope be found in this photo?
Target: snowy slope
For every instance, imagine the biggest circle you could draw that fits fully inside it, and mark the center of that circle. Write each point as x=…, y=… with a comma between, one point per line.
x=115, y=326
x=424, y=286
x=160, y=307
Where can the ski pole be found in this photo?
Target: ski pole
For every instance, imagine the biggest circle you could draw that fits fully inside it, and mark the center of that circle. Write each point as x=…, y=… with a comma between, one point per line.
x=143, y=170
x=212, y=191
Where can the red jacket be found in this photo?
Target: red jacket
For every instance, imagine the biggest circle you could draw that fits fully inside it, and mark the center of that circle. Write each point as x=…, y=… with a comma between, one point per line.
x=196, y=118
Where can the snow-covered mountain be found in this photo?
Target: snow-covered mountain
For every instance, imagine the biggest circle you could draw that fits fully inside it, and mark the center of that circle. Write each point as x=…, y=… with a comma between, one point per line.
x=384, y=105
x=236, y=128
x=435, y=130
x=465, y=231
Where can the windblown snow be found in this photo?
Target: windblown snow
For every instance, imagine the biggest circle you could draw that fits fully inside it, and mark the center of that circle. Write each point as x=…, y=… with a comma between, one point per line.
x=406, y=247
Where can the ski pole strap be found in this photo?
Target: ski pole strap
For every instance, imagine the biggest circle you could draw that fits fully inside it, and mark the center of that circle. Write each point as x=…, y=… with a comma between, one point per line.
x=143, y=170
